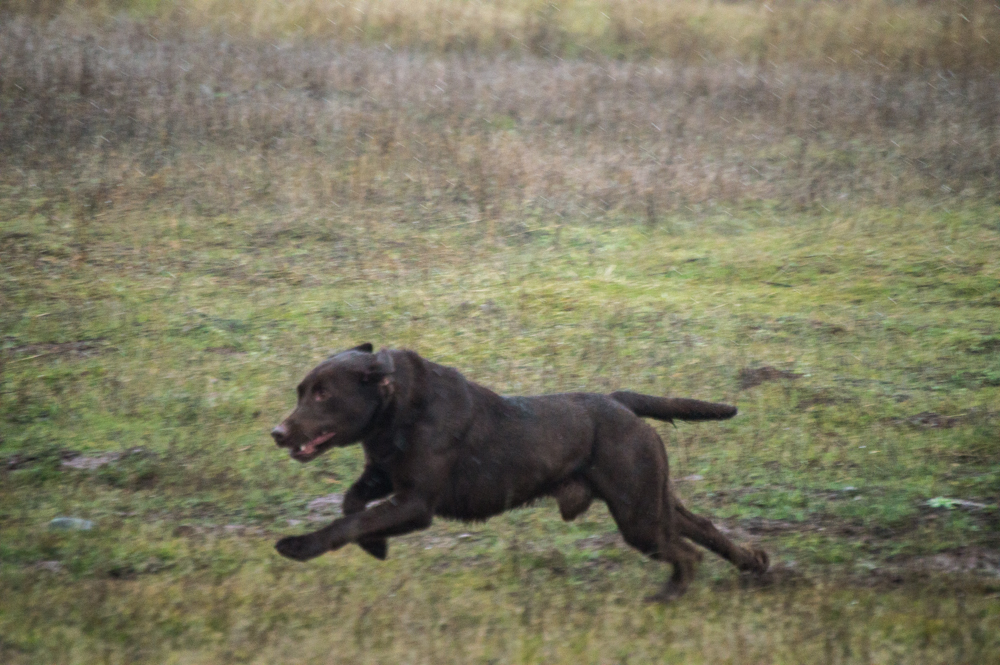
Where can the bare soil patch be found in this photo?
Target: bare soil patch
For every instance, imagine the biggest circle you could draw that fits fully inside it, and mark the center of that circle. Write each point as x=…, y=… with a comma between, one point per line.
x=818, y=398
x=74, y=460
x=975, y=560
x=930, y=420
x=751, y=377
x=226, y=351
x=22, y=460
x=84, y=348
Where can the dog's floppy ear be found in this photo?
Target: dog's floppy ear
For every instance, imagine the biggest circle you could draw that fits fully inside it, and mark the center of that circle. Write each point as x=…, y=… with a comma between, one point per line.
x=379, y=368
x=363, y=348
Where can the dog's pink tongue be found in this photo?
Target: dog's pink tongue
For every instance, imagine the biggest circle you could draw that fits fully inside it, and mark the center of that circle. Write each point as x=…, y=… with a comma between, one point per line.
x=310, y=447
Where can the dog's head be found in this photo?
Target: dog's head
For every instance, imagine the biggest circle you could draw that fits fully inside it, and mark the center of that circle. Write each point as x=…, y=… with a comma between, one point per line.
x=338, y=400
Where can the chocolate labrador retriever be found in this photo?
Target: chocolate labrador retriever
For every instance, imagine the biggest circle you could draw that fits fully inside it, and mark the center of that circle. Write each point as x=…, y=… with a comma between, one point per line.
x=439, y=444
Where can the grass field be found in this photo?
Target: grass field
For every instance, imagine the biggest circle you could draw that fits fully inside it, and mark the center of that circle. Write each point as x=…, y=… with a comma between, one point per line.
x=189, y=221
x=958, y=36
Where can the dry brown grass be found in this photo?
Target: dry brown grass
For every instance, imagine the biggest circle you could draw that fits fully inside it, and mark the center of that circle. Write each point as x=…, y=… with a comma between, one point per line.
x=166, y=114
x=957, y=35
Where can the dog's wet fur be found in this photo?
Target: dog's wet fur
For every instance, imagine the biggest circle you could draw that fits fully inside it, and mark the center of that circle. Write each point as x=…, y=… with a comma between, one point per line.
x=439, y=444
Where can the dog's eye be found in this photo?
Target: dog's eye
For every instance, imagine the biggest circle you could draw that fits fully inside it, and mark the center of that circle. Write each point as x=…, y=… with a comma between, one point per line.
x=318, y=393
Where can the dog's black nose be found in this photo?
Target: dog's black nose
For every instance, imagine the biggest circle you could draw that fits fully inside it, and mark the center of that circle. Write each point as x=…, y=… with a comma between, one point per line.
x=279, y=433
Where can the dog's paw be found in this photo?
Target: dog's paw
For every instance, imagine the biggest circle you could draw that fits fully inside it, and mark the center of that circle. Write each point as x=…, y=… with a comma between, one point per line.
x=378, y=548
x=761, y=560
x=300, y=548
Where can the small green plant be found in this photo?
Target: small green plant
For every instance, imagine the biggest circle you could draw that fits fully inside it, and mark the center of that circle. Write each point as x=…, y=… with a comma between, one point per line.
x=942, y=502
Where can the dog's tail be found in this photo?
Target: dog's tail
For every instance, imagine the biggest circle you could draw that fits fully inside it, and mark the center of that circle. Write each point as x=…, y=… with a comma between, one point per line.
x=668, y=408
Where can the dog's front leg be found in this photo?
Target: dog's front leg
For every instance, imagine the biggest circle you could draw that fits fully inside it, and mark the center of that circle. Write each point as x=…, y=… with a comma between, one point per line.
x=400, y=514
x=373, y=484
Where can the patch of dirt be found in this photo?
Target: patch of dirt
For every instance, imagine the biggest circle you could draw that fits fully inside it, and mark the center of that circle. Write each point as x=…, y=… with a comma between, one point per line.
x=242, y=530
x=818, y=398
x=86, y=348
x=225, y=351
x=192, y=530
x=973, y=569
x=929, y=420
x=748, y=529
x=321, y=509
x=932, y=420
x=328, y=503
x=601, y=541
x=185, y=531
x=437, y=542
x=438, y=537
x=49, y=566
x=90, y=462
x=760, y=526
x=130, y=571
x=750, y=377
x=22, y=460
x=970, y=575
x=829, y=328
x=779, y=575
x=963, y=560
x=14, y=235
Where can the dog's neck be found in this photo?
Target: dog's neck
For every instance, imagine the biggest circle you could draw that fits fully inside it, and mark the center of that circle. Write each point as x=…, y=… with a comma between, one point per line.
x=402, y=401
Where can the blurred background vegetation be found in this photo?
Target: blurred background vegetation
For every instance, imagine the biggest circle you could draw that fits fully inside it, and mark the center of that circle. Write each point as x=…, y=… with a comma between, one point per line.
x=896, y=35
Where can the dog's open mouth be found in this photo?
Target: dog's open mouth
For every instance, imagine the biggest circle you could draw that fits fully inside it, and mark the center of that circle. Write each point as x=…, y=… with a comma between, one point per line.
x=307, y=451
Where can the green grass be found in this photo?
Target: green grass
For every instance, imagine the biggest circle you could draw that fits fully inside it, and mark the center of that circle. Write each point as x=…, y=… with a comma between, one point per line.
x=197, y=206
x=184, y=336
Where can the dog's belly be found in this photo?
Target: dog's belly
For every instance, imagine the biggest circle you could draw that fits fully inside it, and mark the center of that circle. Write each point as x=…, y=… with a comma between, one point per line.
x=517, y=456
x=481, y=497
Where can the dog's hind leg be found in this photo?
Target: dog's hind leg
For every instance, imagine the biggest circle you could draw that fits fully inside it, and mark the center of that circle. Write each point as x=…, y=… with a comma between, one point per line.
x=631, y=477
x=683, y=556
x=650, y=530
x=703, y=532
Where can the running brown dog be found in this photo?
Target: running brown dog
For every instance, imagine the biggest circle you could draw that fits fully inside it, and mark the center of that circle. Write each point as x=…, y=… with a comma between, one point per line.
x=440, y=444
